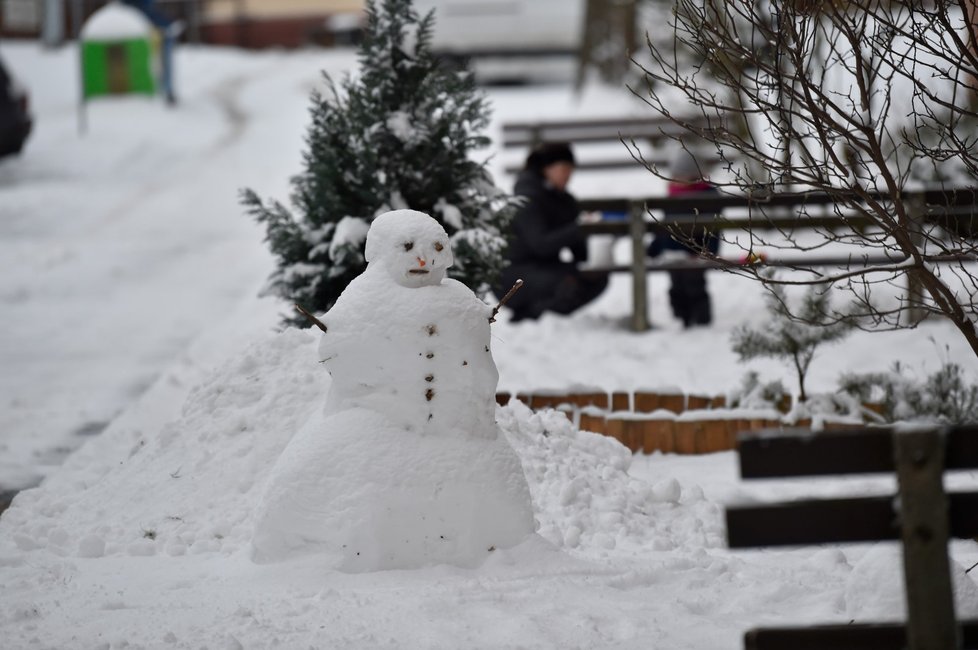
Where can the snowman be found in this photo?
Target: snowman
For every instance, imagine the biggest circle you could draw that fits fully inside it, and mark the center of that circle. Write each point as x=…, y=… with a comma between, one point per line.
x=405, y=466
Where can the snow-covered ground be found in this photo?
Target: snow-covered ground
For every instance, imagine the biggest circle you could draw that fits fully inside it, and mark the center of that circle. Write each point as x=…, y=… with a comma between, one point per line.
x=129, y=276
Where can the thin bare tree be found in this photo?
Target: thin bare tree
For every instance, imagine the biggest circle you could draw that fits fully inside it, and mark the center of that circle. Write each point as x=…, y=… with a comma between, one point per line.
x=865, y=101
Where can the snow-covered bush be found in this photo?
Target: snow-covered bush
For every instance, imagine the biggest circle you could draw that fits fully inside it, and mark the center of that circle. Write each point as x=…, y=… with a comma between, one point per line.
x=944, y=396
x=752, y=394
x=398, y=135
x=840, y=406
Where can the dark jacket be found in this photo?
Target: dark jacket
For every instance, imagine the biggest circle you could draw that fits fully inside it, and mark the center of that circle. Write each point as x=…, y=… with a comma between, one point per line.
x=545, y=223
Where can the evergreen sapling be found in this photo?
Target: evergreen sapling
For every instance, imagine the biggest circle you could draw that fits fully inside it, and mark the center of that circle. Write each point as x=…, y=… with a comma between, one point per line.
x=399, y=135
x=792, y=334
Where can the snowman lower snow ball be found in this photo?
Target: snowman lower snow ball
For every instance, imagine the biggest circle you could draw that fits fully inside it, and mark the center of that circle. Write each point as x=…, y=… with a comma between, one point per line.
x=405, y=466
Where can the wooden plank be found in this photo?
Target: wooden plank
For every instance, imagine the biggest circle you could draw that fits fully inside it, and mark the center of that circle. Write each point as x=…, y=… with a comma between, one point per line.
x=919, y=457
x=717, y=202
x=713, y=265
x=504, y=53
x=860, y=636
x=608, y=204
x=653, y=265
x=823, y=521
x=963, y=514
x=818, y=521
x=521, y=134
x=764, y=202
x=784, y=222
x=854, y=451
x=551, y=133
x=951, y=196
x=800, y=452
x=624, y=162
x=961, y=447
x=607, y=123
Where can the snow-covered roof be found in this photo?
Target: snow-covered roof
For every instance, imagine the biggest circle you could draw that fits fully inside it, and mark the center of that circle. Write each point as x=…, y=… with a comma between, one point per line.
x=115, y=21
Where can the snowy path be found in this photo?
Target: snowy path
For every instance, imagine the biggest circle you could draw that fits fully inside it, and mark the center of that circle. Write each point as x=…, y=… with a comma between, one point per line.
x=120, y=247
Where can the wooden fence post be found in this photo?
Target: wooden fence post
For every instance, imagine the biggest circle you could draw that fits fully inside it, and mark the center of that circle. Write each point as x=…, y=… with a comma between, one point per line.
x=923, y=512
x=640, y=298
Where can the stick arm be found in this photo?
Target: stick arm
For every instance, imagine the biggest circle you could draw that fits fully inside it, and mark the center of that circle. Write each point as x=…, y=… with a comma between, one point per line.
x=509, y=294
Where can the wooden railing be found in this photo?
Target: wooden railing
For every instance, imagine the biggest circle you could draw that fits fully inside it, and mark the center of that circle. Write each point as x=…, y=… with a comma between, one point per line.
x=921, y=515
x=957, y=210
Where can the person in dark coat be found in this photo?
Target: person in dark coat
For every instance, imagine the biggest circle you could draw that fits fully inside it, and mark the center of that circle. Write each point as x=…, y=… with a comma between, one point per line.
x=688, y=296
x=545, y=224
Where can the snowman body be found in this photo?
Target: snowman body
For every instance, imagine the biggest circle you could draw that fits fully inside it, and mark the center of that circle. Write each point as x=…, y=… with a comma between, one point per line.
x=425, y=362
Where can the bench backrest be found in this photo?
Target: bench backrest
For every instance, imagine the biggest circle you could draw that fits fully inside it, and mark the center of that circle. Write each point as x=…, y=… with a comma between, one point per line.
x=930, y=200
x=786, y=210
x=651, y=131
x=525, y=134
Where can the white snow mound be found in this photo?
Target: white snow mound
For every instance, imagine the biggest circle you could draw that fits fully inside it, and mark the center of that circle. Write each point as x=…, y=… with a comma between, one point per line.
x=116, y=21
x=585, y=500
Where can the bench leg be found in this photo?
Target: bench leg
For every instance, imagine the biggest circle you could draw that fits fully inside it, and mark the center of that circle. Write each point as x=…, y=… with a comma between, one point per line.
x=640, y=296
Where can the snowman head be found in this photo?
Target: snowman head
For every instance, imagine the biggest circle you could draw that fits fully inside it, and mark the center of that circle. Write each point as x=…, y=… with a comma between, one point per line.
x=410, y=246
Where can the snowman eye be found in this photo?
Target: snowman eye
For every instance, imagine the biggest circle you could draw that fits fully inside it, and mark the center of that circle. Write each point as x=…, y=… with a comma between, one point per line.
x=408, y=245
x=438, y=246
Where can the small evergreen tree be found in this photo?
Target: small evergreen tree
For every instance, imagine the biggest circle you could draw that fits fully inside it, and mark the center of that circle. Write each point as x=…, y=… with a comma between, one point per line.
x=397, y=136
x=792, y=333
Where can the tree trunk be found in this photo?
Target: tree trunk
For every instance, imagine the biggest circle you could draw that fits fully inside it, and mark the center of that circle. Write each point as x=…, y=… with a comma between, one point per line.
x=608, y=40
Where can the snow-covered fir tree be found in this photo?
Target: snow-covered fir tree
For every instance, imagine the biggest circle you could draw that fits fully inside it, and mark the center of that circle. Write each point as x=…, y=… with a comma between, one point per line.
x=398, y=135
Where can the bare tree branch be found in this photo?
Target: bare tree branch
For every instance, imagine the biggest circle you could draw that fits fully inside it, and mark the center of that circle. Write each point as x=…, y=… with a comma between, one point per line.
x=864, y=100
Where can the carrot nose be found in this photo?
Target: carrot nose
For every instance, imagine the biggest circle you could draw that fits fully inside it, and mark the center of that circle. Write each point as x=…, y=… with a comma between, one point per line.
x=421, y=262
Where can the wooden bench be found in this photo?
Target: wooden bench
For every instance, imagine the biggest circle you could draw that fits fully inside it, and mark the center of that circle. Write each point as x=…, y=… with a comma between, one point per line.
x=787, y=212
x=921, y=515
x=651, y=131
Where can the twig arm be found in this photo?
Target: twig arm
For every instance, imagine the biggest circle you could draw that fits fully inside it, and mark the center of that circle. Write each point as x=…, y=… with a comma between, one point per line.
x=312, y=319
x=509, y=294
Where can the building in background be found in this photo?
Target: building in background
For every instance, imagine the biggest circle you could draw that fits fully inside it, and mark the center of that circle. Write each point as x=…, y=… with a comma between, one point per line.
x=21, y=18
x=244, y=23
x=281, y=23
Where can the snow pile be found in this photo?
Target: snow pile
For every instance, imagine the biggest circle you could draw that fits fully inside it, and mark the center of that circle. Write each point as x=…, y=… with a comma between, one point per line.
x=585, y=499
x=406, y=467
x=116, y=21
